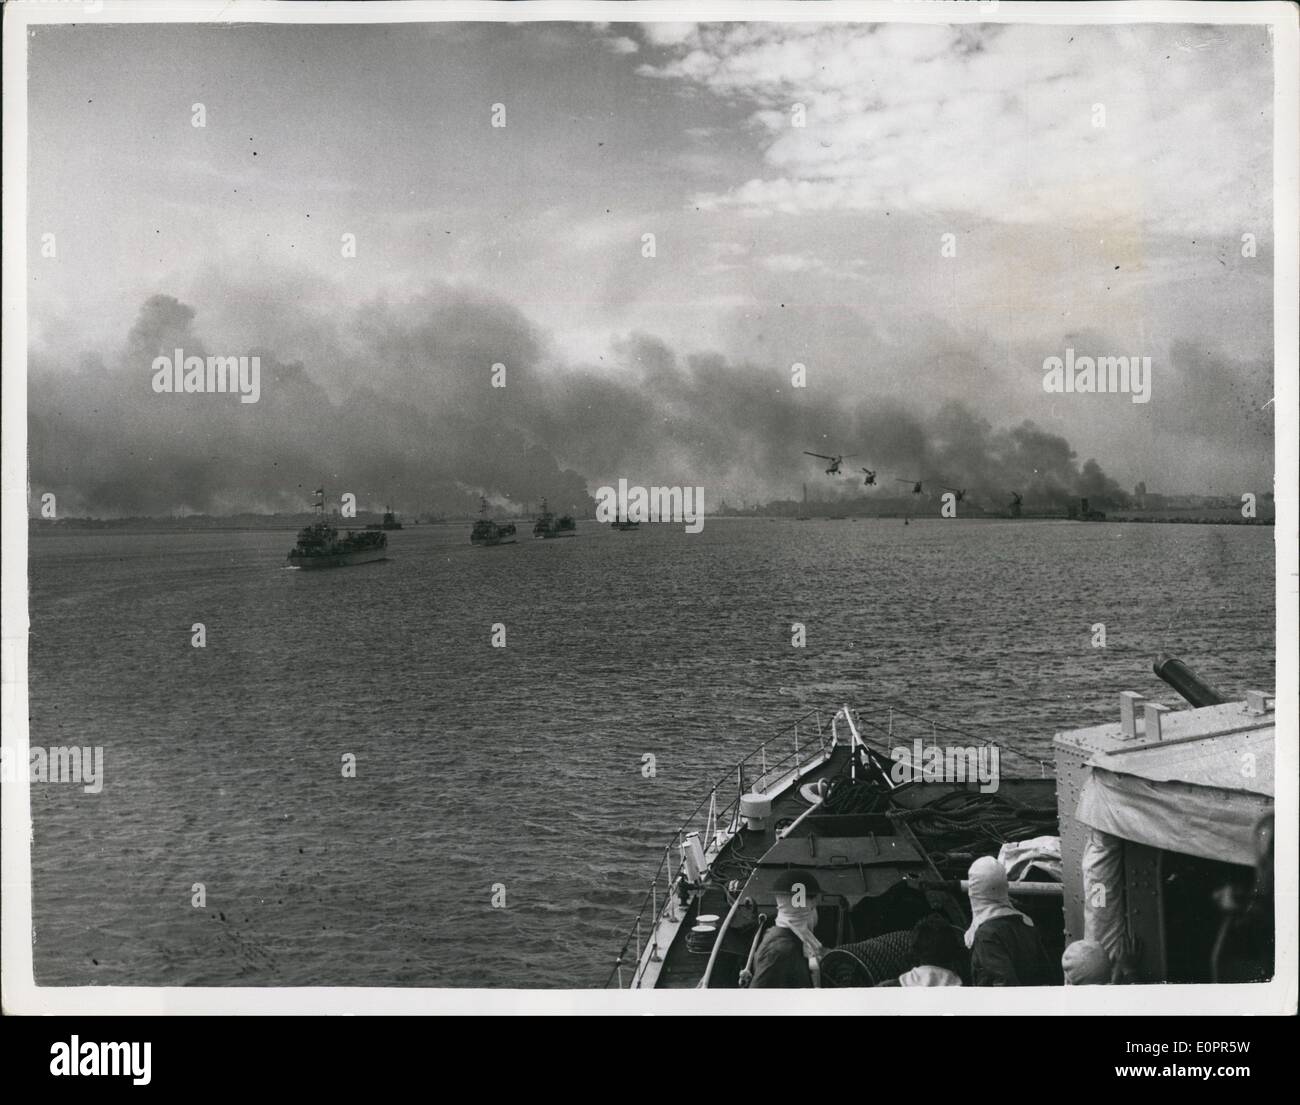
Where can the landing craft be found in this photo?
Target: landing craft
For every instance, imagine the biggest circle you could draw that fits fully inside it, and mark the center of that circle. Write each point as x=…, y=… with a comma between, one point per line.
x=486, y=532
x=320, y=546
x=834, y=469
x=548, y=526
x=390, y=521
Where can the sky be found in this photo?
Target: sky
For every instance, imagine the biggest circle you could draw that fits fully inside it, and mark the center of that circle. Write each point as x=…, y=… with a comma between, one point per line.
x=1097, y=185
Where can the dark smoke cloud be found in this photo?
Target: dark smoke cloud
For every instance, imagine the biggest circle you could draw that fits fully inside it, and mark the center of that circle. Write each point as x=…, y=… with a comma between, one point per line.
x=396, y=406
x=421, y=427
x=1235, y=392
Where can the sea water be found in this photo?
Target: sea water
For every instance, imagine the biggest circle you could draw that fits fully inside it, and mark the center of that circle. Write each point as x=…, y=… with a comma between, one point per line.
x=497, y=828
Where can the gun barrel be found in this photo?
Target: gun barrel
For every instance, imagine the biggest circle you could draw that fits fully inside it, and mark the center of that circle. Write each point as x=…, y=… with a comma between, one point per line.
x=1185, y=681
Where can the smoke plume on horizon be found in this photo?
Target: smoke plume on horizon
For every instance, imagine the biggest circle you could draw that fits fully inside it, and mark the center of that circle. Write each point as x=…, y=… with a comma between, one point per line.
x=397, y=406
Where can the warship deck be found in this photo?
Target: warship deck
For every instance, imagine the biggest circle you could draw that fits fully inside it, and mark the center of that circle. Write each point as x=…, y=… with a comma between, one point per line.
x=883, y=853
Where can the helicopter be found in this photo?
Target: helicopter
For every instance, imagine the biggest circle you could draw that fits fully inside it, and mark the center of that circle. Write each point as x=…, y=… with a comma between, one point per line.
x=834, y=469
x=916, y=484
x=959, y=494
x=870, y=481
x=1016, y=499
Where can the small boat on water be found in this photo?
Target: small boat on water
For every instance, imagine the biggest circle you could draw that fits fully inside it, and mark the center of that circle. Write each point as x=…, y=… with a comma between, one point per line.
x=1159, y=796
x=487, y=532
x=320, y=546
x=548, y=526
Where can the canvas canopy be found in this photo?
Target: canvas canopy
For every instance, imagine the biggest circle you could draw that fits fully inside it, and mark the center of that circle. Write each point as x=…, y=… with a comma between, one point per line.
x=1199, y=797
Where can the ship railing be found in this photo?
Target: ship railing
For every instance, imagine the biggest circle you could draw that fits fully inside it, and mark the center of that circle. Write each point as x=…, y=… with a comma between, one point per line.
x=772, y=766
x=715, y=820
x=893, y=725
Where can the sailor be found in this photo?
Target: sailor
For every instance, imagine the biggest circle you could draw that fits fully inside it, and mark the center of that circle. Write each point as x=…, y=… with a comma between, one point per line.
x=789, y=955
x=936, y=953
x=1005, y=949
x=1086, y=964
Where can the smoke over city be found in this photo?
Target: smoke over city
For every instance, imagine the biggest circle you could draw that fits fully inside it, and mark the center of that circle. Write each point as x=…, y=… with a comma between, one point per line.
x=397, y=406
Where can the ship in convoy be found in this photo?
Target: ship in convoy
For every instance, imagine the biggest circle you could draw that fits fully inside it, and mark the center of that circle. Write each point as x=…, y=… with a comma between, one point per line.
x=548, y=526
x=1154, y=806
x=320, y=546
x=488, y=532
x=390, y=521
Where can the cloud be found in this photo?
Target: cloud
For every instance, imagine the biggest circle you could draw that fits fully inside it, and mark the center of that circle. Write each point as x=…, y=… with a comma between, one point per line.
x=1199, y=378
x=792, y=262
x=914, y=135
x=1032, y=124
x=669, y=34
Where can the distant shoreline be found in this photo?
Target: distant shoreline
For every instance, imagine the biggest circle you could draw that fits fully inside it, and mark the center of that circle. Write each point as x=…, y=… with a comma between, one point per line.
x=273, y=524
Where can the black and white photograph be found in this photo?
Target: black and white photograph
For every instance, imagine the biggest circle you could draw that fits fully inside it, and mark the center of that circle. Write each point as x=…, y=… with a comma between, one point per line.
x=628, y=507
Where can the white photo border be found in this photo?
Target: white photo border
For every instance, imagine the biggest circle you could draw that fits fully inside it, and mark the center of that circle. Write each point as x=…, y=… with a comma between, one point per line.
x=21, y=995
